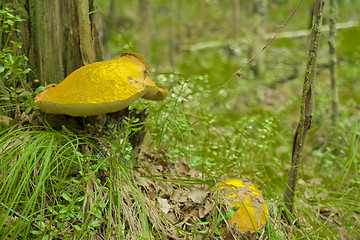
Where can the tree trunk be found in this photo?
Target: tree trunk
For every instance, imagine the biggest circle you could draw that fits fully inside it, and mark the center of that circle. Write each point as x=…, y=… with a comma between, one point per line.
x=145, y=28
x=172, y=10
x=58, y=36
x=237, y=25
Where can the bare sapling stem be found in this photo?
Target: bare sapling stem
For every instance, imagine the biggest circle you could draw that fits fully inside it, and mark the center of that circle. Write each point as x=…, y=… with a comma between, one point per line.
x=306, y=112
x=332, y=64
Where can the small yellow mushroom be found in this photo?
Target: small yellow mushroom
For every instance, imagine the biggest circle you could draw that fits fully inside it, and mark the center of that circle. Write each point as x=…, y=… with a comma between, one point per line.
x=251, y=211
x=101, y=87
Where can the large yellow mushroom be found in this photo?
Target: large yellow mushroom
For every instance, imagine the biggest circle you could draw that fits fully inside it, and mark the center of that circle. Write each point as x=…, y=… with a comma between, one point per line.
x=101, y=87
x=251, y=211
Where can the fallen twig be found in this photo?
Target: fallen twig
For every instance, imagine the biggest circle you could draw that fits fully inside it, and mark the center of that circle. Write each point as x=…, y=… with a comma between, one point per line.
x=13, y=212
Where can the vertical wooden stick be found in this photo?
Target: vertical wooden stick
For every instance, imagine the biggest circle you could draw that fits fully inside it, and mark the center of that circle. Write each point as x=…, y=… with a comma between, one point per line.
x=306, y=111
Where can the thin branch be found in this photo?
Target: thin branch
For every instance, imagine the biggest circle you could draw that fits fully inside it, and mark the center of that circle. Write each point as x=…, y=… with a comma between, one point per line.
x=238, y=72
x=13, y=212
x=287, y=34
x=307, y=32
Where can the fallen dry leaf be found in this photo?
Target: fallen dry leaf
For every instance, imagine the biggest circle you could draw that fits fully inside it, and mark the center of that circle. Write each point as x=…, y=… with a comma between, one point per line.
x=164, y=205
x=180, y=195
x=198, y=196
x=181, y=168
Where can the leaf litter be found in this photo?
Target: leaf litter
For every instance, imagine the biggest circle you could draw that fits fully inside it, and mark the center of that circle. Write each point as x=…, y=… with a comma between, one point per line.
x=178, y=203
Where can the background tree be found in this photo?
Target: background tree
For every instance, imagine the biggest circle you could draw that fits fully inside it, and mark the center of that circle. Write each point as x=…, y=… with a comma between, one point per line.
x=145, y=27
x=58, y=36
x=258, y=24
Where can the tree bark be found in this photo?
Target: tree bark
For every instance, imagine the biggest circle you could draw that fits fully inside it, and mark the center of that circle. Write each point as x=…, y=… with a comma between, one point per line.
x=58, y=36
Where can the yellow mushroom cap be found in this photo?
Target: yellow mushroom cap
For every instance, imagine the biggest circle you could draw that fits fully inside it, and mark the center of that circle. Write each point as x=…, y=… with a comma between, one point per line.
x=252, y=212
x=101, y=87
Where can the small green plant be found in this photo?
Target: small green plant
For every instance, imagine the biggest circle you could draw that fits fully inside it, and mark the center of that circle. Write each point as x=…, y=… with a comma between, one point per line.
x=199, y=227
x=13, y=65
x=124, y=137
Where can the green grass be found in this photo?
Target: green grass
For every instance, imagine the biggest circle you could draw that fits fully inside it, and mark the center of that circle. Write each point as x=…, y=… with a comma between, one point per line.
x=53, y=187
x=35, y=170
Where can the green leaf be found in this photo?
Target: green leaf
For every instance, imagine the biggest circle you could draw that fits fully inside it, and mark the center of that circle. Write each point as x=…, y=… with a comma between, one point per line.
x=189, y=224
x=196, y=231
x=5, y=98
x=8, y=72
x=77, y=227
x=10, y=22
x=63, y=210
x=235, y=208
x=41, y=224
x=202, y=223
x=18, y=18
x=229, y=214
x=95, y=223
x=39, y=89
x=9, y=15
x=102, y=205
x=217, y=231
x=36, y=232
x=28, y=110
x=219, y=220
x=67, y=131
x=98, y=214
x=66, y=197
x=9, y=58
x=25, y=94
x=19, y=60
x=52, y=210
x=75, y=180
x=79, y=199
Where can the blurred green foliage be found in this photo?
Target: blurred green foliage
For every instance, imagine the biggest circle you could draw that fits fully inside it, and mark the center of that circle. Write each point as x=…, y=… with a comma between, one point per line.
x=14, y=90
